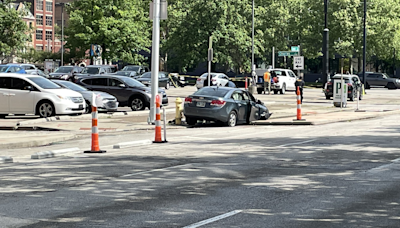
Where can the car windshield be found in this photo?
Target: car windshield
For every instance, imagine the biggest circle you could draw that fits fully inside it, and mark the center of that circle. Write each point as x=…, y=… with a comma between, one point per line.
x=63, y=69
x=123, y=73
x=131, y=68
x=346, y=80
x=132, y=82
x=44, y=83
x=209, y=91
x=72, y=86
x=146, y=75
x=91, y=70
x=3, y=68
x=278, y=72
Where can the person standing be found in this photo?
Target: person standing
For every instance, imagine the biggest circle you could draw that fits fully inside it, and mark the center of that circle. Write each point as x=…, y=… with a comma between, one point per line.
x=267, y=82
x=300, y=84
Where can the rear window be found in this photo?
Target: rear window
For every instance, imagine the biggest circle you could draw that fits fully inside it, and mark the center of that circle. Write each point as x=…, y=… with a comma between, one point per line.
x=215, y=92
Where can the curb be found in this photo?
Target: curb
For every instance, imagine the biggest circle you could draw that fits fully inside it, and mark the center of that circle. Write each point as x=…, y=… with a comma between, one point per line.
x=132, y=144
x=6, y=159
x=53, y=153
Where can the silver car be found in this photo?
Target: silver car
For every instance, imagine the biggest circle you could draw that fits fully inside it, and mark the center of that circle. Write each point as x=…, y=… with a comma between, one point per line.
x=226, y=105
x=110, y=103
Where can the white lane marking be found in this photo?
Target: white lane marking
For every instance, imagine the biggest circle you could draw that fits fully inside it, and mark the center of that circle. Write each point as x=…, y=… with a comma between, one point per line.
x=302, y=142
x=154, y=170
x=216, y=218
x=382, y=167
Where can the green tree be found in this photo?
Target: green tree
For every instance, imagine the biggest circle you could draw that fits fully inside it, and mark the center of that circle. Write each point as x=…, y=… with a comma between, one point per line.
x=120, y=27
x=13, y=29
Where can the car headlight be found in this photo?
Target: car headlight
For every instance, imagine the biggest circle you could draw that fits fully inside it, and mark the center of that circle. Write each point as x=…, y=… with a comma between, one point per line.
x=64, y=98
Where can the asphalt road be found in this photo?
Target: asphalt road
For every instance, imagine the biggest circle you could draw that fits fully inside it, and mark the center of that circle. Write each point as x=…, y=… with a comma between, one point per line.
x=335, y=175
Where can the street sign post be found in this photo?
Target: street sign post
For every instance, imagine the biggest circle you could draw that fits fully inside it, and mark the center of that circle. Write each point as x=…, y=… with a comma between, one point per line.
x=298, y=63
x=288, y=53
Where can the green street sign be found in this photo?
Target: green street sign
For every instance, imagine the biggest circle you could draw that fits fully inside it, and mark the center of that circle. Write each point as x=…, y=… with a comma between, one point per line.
x=294, y=48
x=288, y=53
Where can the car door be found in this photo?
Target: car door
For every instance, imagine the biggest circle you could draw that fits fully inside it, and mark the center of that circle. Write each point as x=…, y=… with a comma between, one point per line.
x=117, y=88
x=97, y=84
x=382, y=80
x=291, y=81
x=241, y=105
x=253, y=108
x=5, y=85
x=21, y=98
x=224, y=80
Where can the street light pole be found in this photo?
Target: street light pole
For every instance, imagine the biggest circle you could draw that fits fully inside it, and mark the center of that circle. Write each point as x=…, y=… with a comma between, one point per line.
x=325, y=46
x=252, y=45
x=62, y=34
x=365, y=41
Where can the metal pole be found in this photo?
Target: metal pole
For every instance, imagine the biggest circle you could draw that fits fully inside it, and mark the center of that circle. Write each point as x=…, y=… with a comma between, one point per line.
x=273, y=57
x=154, y=59
x=209, y=60
x=394, y=62
x=325, y=46
x=365, y=41
x=298, y=71
x=62, y=34
x=252, y=45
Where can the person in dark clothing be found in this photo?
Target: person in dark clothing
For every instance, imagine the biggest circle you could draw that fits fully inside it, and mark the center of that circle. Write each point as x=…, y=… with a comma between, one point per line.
x=300, y=83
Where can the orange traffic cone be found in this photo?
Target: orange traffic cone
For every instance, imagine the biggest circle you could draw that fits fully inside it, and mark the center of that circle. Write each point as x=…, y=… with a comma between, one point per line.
x=95, y=133
x=158, y=138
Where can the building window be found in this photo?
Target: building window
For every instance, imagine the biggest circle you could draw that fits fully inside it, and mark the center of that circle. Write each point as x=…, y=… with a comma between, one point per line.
x=39, y=48
x=49, y=20
x=59, y=23
x=49, y=35
x=39, y=4
x=30, y=25
x=39, y=19
x=39, y=34
x=49, y=6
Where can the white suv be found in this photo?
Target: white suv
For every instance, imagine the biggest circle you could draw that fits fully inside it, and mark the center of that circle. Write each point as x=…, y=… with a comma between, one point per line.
x=286, y=80
x=34, y=94
x=218, y=79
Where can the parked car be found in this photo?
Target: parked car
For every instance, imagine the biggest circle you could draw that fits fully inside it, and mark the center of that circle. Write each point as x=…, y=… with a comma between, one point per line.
x=66, y=72
x=139, y=70
x=227, y=105
x=218, y=79
x=163, y=79
x=37, y=72
x=96, y=69
x=110, y=103
x=12, y=68
x=128, y=91
x=285, y=81
x=353, y=82
x=26, y=66
x=131, y=74
x=33, y=94
x=380, y=80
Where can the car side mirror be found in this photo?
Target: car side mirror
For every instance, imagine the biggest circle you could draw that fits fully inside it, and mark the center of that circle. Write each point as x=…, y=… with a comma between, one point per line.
x=122, y=85
x=28, y=88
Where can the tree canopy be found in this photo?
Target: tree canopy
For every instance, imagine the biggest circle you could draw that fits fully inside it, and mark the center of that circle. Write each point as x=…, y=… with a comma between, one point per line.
x=121, y=27
x=13, y=29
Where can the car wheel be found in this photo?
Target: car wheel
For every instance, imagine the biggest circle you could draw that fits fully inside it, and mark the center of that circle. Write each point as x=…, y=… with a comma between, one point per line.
x=391, y=85
x=167, y=85
x=88, y=108
x=45, y=109
x=137, y=104
x=3, y=116
x=259, y=91
x=327, y=97
x=232, y=119
x=283, y=90
x=191, y=121
x=367, y=86
x=276, y=91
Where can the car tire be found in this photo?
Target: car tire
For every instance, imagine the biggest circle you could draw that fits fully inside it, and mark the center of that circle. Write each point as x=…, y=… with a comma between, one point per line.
x=327, y=97
x=167, y=85
x=191, y=121
x=137, y=103
x=88, y=108
x=276, y=91
x=3, y=116
x=259, y=91
x=391, y=85
x=283, y=90
x=232, y=119
x=45, y=109
x=367, y=86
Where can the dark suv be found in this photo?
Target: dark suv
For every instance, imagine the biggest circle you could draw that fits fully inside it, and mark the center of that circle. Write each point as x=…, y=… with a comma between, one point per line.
x=128, y=91
x=136, y=70
x=381, y=80
x=97, y=69
x=67, y=71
